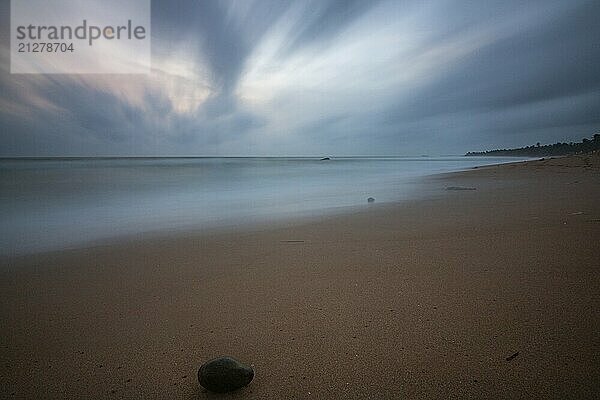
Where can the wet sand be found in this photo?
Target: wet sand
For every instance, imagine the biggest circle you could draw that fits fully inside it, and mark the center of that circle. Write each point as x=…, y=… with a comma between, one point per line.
x=486, y=293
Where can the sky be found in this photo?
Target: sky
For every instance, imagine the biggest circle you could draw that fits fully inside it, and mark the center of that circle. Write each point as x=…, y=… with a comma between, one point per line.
x=323, y=77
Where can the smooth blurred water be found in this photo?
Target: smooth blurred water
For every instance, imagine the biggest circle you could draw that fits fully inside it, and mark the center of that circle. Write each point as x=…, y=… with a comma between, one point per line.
x=48, y=204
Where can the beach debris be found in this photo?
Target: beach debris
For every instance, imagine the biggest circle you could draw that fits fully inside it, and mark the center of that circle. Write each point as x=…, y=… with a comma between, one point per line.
x=511, y=357
x=577, y=213
x=460, y=188
x=224, y=374
x=370, y=200
x=325, y=159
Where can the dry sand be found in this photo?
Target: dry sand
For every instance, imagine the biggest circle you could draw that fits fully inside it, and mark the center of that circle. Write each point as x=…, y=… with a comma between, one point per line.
x=423, y=299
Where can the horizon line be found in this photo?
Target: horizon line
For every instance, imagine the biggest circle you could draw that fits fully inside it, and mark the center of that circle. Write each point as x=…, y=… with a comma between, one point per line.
x=226, y=156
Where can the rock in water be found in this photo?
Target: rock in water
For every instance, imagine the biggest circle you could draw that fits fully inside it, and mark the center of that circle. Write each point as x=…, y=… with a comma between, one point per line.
x=370, y=200
x=224, y=374
x=460, y=188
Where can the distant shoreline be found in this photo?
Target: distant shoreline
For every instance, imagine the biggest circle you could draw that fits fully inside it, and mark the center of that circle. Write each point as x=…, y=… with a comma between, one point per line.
x=549, y=150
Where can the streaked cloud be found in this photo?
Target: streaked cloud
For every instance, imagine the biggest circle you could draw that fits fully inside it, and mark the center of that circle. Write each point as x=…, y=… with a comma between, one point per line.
x=328, y=76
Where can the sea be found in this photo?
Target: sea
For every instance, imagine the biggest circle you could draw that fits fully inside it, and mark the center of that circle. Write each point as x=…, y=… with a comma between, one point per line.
x=57, y=203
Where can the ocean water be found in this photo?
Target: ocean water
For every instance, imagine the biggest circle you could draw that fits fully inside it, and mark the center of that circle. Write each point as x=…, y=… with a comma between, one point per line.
x=50, y=204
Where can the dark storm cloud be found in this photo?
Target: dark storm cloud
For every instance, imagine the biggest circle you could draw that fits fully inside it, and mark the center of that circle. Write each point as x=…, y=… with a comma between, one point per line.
x=223, y=46
x=544, y=77
x=542, y=63
x=294, y=77
x=226, y=45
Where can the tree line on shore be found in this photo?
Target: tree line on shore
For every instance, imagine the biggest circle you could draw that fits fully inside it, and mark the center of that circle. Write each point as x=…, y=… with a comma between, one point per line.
x=556, y=149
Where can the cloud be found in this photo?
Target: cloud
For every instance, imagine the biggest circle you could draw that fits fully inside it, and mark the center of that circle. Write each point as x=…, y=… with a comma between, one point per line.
x=327, y=76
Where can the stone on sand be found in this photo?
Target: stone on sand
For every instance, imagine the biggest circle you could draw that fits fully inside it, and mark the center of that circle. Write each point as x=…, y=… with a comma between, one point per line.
x=224, y=374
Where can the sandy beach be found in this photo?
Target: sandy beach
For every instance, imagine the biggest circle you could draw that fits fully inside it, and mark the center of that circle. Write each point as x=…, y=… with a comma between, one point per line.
x=485, y=293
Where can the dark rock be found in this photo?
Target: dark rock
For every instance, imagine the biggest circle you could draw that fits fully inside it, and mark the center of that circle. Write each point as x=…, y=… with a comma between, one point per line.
x=370, y=200
x=325, y=159
x=224, y=374
x=460, y=188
